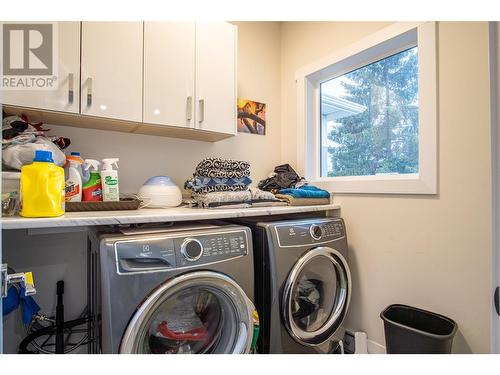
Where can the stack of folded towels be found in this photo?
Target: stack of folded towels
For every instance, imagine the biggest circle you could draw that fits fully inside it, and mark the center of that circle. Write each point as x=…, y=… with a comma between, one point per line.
x=304, y=196
x=224, y=183
x=289, y=187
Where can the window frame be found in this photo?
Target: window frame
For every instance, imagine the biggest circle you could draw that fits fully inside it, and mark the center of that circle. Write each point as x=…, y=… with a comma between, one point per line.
x=386, y=42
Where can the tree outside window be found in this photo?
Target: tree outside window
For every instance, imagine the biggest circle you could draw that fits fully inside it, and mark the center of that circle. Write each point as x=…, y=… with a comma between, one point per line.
x=369, y=119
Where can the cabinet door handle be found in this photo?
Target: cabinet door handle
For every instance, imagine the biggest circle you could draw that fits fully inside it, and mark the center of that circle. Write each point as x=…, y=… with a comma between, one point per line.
x=201, y=107
x=70, y=88
x=89, y=92
x=189, y=108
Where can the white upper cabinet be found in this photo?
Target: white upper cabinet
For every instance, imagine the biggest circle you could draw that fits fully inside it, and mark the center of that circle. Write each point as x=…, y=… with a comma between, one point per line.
x=66, y=97
x=111, y=70
x=178, y=74
x=169, y=49
x=216, y=77
x=190, y=75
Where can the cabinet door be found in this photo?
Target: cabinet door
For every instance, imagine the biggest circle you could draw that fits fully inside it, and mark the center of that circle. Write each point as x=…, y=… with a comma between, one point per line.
x=66, y=97
x=112, y=70
x=216, y=77
x=169, y=73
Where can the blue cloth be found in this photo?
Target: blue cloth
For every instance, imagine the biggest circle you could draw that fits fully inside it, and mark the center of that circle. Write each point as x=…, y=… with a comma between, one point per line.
x=29, y=306
x=16, y=297
x=306, y=192
x=11, y=302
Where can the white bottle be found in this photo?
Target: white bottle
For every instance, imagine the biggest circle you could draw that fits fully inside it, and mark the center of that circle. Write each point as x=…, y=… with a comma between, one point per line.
x=73, y=185
x=109, y=180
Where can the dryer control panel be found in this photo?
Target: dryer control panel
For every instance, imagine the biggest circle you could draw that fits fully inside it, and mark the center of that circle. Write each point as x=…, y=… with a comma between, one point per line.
x=149, y=253
x=309, y=233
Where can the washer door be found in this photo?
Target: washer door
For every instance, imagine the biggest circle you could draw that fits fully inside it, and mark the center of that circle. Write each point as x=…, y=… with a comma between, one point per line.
x=316, y=296
x=198, y=312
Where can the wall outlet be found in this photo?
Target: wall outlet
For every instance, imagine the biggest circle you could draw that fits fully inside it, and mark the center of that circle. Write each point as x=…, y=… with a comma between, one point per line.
x=349, y=343
x=355, y=342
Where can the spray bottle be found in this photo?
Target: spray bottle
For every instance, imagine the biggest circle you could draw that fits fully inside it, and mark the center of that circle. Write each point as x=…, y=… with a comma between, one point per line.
x=73, y=187
x=92, y=190
x=83, y=172
x=109, y=180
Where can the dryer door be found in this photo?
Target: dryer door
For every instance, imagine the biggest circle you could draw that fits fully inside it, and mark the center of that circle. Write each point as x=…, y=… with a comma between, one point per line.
x=316, y=296
x=197, y=312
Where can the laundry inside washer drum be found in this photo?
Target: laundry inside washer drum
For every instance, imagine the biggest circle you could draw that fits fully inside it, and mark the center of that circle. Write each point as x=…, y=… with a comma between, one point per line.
x=310, y=307
x=307, y=298
x=191, y=321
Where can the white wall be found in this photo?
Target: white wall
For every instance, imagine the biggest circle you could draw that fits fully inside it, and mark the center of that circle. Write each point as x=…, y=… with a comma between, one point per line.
x=143, y=156
x=427, y=251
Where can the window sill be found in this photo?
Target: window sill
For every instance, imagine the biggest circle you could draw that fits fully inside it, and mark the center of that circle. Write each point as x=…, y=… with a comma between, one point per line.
x=386, y=184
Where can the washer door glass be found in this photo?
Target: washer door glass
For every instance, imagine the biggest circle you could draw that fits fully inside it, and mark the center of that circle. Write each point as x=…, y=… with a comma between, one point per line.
x=316, y=296
x=198, y=312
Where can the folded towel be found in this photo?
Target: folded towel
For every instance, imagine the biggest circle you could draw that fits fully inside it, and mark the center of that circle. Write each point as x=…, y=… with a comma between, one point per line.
x=269, y=203
x=204, y=200
x=306, y=192
x=202, y=184
x=220, y=189
x=260, y=194
x=292, y=201
x=230, y=205
x=223, y=168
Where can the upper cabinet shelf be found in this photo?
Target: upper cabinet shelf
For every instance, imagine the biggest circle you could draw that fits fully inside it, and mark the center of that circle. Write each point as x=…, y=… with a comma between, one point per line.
x=175, y=79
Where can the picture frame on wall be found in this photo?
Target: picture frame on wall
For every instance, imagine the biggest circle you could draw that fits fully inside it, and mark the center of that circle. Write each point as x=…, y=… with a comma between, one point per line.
x=251, y=117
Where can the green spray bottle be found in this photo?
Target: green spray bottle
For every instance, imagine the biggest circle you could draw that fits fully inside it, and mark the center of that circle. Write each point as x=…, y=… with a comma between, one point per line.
x=92, y=190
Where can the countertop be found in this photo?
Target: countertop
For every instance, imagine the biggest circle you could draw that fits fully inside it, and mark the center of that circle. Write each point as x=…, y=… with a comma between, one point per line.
x=145, y=215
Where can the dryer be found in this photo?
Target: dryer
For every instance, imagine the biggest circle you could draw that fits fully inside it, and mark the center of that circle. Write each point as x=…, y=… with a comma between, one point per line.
x=177, y=290
x=303, y=283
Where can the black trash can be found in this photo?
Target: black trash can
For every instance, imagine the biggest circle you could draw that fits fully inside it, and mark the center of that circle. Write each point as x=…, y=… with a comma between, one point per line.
x=409, y=330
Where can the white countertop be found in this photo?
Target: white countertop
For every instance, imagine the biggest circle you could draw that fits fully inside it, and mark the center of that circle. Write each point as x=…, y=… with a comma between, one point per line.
x=150, y=215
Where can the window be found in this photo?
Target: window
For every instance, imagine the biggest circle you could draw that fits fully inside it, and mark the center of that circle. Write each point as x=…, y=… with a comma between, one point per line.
x=369, y=114
x=369, y=119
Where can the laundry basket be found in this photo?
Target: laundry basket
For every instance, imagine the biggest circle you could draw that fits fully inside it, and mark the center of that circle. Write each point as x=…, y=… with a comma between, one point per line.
x=409, y=330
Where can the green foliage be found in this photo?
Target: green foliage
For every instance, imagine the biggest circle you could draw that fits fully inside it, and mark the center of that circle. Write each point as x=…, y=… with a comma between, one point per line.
x=384, y=137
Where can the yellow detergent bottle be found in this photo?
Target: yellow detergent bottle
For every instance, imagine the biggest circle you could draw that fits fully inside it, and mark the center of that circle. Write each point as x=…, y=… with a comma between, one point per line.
x=42, y=187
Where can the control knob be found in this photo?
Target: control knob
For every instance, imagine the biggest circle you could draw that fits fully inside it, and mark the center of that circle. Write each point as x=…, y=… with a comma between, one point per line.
x=316, y=231
x=191, y=249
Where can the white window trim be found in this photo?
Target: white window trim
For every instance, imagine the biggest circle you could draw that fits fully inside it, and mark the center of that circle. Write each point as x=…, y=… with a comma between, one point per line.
x=308, y=117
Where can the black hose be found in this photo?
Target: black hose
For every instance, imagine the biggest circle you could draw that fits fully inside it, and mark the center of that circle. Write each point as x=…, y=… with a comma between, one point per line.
x=23, y=346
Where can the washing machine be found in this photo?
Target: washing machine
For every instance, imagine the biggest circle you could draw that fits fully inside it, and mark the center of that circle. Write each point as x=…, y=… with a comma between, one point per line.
x=303, y=283
x=175, y=290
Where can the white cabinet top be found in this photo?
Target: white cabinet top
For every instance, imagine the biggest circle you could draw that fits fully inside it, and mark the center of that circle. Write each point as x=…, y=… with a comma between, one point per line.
x=145, y=215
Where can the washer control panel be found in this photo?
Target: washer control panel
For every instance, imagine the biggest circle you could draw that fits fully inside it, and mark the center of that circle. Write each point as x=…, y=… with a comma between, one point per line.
x=211, y=248
x=149, y=253
x=309, y=233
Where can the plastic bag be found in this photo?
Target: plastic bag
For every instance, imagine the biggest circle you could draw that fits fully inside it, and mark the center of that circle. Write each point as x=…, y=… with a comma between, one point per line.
x=15, y=156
